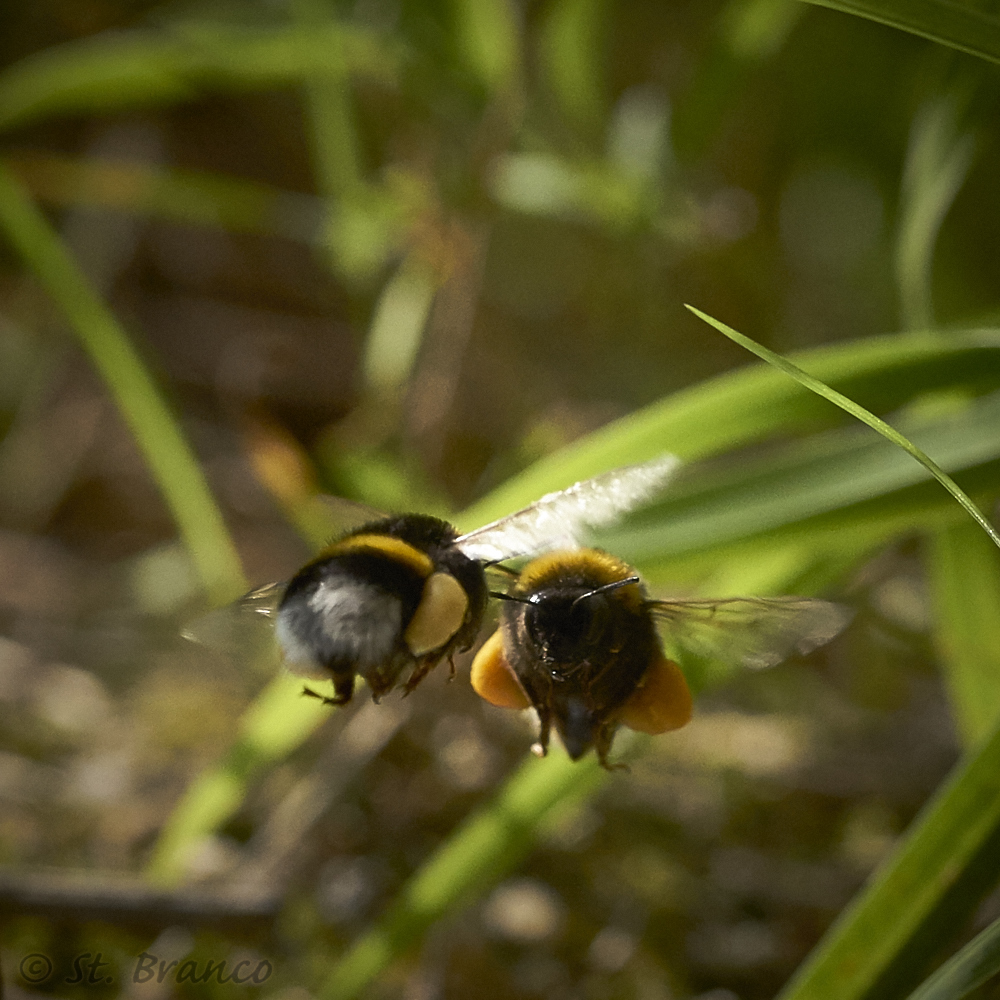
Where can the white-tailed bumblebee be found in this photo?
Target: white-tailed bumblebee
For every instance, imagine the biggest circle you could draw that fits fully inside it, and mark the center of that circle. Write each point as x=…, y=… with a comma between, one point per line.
x=578, y=641
x=389, y=600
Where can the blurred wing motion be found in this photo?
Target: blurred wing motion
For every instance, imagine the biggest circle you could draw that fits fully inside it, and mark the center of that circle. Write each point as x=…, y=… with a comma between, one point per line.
x=754, y=632
x=558, y=520
x=242, y=624
x=246, y=625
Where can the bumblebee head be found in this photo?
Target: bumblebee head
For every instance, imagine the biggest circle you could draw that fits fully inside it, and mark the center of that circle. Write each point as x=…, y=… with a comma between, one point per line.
x=563, y=620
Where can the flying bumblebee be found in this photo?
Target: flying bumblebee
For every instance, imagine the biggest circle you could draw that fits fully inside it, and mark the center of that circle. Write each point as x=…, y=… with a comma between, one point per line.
x=578, y=641
x=390, y=599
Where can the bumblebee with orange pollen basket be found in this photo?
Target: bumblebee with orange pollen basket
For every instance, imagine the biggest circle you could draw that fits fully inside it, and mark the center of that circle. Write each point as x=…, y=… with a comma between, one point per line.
x=579, y=642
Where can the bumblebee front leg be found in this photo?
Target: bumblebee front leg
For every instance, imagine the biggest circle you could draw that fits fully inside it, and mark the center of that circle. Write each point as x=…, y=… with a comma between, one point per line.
x=343, y=690
x=602, y=745
x=420, y=671
x=541, y=747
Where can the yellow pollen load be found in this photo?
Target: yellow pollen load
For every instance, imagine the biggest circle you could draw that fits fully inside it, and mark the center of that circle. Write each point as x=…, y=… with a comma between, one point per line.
x=661, y=702
x=492, y=677
x=439, y=615
x=386, y=545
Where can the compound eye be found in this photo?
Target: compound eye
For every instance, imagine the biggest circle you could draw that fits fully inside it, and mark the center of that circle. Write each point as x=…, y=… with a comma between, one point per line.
x=546, y=615
x=563, y=624
x=592, y=616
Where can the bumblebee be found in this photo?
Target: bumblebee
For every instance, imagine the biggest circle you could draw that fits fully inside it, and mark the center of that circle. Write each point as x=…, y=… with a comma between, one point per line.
x=579, y=642
x=391, y=596
x=390, y=599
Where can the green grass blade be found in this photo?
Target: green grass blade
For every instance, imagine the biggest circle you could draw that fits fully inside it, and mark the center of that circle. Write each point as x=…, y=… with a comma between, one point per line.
x=858, y=528
x=185, y=196
x=962, y=26
x=826, y=472
x=849, y=406
x=277, y=722
x=487, y=33
x=723, y=413
x=486, y=846
x=977, y=962
x=329, y=115
x=937, y=162
x=160, y=439
x=965, y=580
x=114, y=72
x=948, y=860
x=738, y=408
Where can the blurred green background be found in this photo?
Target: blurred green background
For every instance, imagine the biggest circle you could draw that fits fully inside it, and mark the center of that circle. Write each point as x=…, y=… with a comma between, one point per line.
x=435, y=256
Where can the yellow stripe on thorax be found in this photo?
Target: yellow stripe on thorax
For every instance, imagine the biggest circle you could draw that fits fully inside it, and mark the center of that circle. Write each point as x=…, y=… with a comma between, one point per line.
x=593, y=565
x=385, y=545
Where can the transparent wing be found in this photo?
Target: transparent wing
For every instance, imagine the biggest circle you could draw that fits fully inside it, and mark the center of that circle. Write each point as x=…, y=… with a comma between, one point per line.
x=244, y=628
x=558, y=520
x=241, y=627
x=753, y=632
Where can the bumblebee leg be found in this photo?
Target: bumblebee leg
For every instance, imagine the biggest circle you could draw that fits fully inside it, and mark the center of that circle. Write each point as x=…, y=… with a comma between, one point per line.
x=420, y=671
x=343, y=688
x=541, y=747
x=602, y=744
x=339, y=695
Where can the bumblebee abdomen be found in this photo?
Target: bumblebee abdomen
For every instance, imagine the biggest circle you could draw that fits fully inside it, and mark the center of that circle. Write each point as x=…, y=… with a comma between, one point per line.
x=347, y=612
x=339, y=626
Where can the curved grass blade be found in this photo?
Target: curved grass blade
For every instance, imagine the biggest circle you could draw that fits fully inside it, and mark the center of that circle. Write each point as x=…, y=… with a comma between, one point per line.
x=977, y=962
x=486, y=846
x=738, y=408
x=848, y=405
x=167, y=453
x=819, y=474
x=948, y=860
x=195, y=197
x=136, y=69
x=964, y=574
x=961, y=26
x=938, y=160
x=277, y=722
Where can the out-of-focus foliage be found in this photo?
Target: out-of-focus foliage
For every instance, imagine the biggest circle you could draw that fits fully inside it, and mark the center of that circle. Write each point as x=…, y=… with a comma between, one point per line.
x=434, y=257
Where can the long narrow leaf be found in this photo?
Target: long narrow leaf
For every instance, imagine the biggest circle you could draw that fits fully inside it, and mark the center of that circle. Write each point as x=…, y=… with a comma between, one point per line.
x=486, y=846
x=279, y=720
x=965, y=579
x=849, y=406
x=141, y=69
x=157, y=433
x=937, y=162
x=949, y=852
x=823, y=473
x=962, y=26
x=977, y=962
x=187, y=196
x=748, y=405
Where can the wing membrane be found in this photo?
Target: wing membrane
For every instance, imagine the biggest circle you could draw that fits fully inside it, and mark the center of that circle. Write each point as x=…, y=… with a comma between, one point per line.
x=558, y=520
x=754, y=632
x=241, y=626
